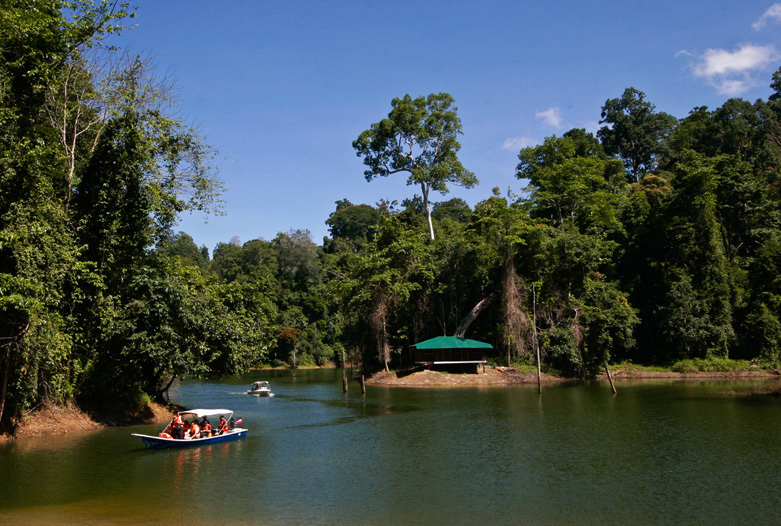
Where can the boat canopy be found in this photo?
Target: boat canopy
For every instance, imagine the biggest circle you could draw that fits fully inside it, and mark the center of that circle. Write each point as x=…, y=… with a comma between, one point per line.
x=200, y=413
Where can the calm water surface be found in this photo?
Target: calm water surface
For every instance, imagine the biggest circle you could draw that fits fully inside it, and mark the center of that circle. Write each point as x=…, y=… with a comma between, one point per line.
x=656, y=453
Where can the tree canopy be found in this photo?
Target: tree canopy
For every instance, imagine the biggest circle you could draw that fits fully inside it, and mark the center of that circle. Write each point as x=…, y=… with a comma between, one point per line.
x=419, y=137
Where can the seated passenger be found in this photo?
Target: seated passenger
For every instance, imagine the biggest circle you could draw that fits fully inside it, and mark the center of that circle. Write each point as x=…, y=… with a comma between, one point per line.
x=206, y=427
x=195, y=430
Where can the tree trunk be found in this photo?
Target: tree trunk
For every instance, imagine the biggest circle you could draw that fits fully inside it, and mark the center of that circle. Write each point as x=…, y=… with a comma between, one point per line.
x=474, y=313
x=164, y=391
x=610, y=377
x=427, y=206
x=378, y=320
x=4, y=384
x=536, y=339
x=344, y=374
x=516, y=322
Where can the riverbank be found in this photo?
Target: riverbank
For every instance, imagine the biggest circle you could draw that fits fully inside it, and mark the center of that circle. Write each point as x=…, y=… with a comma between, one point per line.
x=431, y=378
x=53, y=420
x=499, y=376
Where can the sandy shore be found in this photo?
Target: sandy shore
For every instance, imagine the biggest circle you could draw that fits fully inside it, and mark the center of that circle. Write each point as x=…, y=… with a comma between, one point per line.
x=509, y=376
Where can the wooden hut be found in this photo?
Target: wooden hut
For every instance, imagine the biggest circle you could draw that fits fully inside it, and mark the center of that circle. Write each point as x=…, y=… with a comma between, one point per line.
x=450, y=350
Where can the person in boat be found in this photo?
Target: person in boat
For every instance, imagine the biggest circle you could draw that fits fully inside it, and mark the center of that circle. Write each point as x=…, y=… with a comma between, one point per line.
x=195, y=429
x=256, y=387
x=223, y=425
x=166, y=433
x=177, y=427
x=206, y=427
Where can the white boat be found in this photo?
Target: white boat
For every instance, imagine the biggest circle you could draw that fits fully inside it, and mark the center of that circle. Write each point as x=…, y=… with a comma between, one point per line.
x=164, y=440
x=260, y=389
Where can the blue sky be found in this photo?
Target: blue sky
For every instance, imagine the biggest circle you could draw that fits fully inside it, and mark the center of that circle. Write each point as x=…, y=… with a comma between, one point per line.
x=281, y=89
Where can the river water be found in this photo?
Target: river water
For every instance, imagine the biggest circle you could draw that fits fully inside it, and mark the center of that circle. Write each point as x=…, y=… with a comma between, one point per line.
x=655, y=453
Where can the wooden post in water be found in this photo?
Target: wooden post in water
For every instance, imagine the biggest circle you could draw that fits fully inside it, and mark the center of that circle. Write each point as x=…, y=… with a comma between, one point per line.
x=344, y=374
x=363, y=385
x=536, y=340
x=610, y=377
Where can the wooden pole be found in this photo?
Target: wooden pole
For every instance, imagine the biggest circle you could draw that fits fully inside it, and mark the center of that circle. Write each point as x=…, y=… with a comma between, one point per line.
x=4, y=383
x=610, y=377
x=363, y=385
x=536, y=340
x=344, y=374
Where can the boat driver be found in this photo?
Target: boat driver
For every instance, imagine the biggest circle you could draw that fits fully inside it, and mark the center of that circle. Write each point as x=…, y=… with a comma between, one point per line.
x=223, y=427
x=177, y=427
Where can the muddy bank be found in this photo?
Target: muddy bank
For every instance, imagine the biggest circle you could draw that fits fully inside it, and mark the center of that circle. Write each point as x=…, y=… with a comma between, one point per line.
x=510, y=376
x=491, y=376
x=52, y=420
x=626, y=373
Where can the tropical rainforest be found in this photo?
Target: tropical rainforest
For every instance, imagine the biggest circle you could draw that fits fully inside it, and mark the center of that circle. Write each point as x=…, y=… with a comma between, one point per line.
x=654, y=241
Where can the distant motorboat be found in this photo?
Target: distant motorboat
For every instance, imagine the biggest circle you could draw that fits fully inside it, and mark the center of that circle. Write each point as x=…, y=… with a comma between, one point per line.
x=260, y=389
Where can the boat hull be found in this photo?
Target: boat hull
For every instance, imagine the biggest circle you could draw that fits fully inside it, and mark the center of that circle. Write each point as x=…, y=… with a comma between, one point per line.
x=152, y=442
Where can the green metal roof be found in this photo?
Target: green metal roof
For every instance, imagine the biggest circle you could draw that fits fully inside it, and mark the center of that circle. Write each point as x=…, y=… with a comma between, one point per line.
x=452, y=342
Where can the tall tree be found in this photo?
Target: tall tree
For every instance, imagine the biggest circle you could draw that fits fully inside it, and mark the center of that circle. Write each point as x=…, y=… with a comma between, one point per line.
x=38, y=255
x=353, y=223
x=503, y=230
x=419, y=137
x=567, y=185
x=380, y=292
x=634, y=131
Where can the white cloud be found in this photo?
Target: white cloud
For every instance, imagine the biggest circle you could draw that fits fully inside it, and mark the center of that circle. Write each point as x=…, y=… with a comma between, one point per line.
x=722, y=62
x=730, y=71
x=551, y=117
x=516, y=143
x=773, y=14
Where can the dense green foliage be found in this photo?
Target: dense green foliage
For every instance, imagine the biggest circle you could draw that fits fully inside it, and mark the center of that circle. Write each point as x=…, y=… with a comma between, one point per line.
x=94, y=171
x=657, y=242
x=654, y=242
